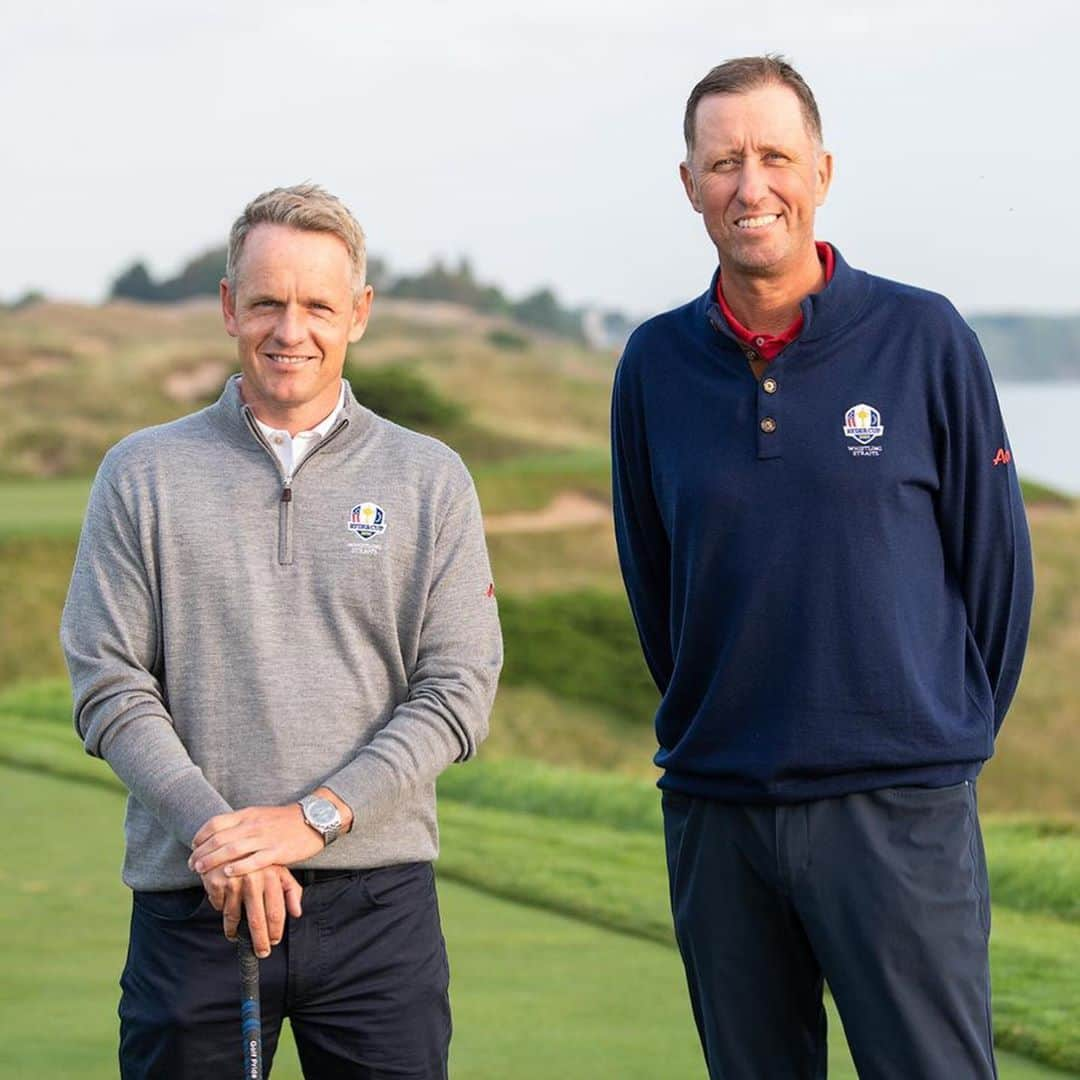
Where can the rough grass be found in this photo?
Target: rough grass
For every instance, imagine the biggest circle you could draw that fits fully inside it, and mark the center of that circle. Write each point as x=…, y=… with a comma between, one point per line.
x=528, y=564
x=114, y=369
x=558, y=646
x=1035, y=865
x=535, y=724
x=1034, y=862
x=1040, y=496
x=34, y=575
x=1038, y=755
x=581, y=645
x=530, y=482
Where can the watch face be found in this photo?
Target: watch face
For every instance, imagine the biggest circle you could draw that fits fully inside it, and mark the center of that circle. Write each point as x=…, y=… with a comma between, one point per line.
x=322, y=812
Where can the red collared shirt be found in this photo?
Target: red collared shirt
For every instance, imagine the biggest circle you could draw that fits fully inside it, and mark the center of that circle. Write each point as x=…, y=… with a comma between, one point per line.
x=769, y=346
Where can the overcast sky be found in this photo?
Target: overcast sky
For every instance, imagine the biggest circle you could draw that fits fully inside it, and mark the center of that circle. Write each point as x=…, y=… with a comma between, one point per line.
x=542, y=140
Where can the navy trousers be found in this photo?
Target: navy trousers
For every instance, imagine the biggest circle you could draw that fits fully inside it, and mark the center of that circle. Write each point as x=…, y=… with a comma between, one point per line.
x=362, y=976
x=883, y=894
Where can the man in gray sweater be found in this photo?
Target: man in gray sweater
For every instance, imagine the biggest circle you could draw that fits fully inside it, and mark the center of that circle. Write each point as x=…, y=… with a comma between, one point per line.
x=281, y=628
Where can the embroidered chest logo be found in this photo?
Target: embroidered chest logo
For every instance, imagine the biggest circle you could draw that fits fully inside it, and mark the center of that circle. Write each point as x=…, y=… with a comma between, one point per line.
x=862, y=423
x=367, y=520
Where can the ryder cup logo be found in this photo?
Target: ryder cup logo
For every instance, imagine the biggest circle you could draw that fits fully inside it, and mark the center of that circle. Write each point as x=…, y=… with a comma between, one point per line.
x=367, y=520
x=863, y=424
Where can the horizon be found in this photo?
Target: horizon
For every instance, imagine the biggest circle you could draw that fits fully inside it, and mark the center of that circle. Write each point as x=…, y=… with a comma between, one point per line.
x=104, y=298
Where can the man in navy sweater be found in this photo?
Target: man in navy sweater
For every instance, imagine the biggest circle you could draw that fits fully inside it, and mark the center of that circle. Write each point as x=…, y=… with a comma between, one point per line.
x=824, y=544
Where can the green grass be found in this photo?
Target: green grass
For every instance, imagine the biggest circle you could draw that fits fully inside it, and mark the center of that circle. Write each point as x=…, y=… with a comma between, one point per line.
x=1036, y=970
x=1036, y=494
x=535, y=994
x=55, y=506
x=531, y=787
x=582, y=650
x=533, y=723
x=541, y=996
x=1037, y=761
x=528, y=564
x=568, y=631
x=42, y=508
x=529, y=482
x=616, y=879
x=63, y=917
x=1035, y=865
x=591, y=847
x=582, y=645
x=34, y=576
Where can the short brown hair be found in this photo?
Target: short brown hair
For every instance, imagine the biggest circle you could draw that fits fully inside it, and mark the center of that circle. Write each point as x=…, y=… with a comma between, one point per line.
x=750, y=73
x=302, y=206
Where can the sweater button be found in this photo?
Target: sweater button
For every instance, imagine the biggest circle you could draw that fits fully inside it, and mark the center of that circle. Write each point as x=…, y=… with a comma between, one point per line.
x=750, y=354
x=769, y=386
x=768, y=425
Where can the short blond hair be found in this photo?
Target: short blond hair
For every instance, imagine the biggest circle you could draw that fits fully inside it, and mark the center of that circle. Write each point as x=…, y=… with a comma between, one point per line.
x=302, y=206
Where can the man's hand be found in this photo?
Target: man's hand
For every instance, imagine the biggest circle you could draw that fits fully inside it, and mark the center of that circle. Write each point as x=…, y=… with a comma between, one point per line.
x=264, y=895
x=259, y=836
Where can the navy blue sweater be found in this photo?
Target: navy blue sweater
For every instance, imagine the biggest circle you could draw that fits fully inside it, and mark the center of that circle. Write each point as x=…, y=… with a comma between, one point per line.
x=829, y=568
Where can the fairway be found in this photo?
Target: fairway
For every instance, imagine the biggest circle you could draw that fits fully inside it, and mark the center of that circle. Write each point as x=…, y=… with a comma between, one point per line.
x=536, y=995
x=33, y=508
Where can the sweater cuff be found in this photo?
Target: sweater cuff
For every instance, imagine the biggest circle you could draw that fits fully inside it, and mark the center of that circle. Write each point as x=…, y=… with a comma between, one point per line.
x=370, y=786
x=148, y=756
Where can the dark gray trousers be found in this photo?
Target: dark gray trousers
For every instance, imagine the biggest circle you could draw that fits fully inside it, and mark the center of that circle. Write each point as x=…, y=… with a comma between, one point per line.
x=883, y=894
x=362, y=976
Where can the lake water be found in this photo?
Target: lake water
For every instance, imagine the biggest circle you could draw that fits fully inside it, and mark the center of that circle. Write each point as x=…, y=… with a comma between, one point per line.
x=1043, y=421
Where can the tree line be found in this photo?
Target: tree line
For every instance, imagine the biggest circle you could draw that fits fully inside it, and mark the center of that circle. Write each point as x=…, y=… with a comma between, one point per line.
x=457, y=284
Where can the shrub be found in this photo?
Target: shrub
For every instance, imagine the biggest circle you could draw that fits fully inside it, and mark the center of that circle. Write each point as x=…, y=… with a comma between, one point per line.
x=507, y=339
x=580, y=645
x=395, y=392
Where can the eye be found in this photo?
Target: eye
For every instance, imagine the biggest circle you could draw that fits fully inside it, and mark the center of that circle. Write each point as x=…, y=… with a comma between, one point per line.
x=726, y=164
x=775, y=155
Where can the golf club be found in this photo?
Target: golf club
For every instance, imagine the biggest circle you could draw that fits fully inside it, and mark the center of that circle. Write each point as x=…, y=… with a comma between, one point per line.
x=250, y=1010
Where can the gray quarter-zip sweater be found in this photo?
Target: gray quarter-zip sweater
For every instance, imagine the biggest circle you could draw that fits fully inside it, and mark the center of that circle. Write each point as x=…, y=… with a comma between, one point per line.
x=235, y=638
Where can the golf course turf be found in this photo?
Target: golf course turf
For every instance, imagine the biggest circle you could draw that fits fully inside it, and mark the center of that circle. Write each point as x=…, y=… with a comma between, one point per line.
x=536, y=994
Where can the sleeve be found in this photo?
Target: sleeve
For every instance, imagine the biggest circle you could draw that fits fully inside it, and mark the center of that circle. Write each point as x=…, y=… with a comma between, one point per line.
x=642, y=541
x=110, y=637
x=983, y=526
x=452, y=686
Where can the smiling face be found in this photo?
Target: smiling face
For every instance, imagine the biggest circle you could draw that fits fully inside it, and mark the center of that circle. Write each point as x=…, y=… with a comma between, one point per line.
x=756, y=174
x=294, y=312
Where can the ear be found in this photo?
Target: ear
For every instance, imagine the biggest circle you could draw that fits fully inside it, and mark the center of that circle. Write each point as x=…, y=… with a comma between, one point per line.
x=686, y=174
x=823, y=174
x=228, y=308
x=360, y=313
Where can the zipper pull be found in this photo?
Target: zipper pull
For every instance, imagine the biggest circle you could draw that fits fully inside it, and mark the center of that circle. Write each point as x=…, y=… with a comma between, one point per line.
x=286, y=494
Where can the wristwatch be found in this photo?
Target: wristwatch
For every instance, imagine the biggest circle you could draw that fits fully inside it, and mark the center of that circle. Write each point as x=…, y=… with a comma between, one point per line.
x=323, y=816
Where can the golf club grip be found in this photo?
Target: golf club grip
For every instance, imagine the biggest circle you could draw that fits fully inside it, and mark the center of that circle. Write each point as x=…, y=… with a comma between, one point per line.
x=250, y=1009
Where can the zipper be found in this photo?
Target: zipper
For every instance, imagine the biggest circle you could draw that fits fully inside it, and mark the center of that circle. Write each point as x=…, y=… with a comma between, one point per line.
x=284, y=549
x=285, y=503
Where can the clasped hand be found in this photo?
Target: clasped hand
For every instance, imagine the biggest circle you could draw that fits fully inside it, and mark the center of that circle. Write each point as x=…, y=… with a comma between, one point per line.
x=242, y=858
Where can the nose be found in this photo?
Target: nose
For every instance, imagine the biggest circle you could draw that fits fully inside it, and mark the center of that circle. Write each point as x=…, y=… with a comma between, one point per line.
x=290, y=328
x=753, y=186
